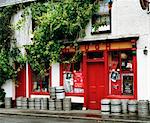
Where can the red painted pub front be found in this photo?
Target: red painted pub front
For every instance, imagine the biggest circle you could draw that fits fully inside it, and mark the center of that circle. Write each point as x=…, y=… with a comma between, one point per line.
x=107, y=69
x=104, y=69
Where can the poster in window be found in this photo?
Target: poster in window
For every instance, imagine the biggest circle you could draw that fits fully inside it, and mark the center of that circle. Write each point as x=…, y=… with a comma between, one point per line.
x=68, y=82
x=115, y=76
x=128, y=84
x=78, y=82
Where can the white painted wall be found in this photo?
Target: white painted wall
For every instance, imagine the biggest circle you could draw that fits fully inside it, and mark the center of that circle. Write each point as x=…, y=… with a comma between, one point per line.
x=23, y=37
x=76, y=99
x=55, y=75
x=24, y=34
x=39, y=96
x=128, y=19
x=9, y=88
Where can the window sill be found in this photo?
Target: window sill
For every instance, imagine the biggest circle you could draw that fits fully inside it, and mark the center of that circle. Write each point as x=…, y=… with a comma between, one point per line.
x=100, y=32
x=40, y=93
x=121, y=97
x=75, y=94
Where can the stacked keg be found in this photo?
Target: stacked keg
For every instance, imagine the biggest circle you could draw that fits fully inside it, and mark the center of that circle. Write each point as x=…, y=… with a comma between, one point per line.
x=31, y=103
x=24, y=103
x=59, y=105
x=143, y=108
x=105, y=106
x=124, y=105
x=115, y=106
x=132, y=107
x=8, y=102
x=52, y=91
x=60, y=92
x=37, y=103
x=51, y=103
x=18, y=102
x=44, y=103
x=67, y=104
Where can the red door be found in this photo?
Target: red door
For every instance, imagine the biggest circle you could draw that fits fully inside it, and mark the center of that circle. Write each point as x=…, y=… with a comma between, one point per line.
x=95, y=79
x=21, y=87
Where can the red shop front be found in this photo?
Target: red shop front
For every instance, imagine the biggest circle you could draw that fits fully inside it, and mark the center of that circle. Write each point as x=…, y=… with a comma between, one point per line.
x=106, y=69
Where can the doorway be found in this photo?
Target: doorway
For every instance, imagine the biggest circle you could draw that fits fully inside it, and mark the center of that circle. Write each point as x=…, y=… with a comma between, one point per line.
x=95, y=82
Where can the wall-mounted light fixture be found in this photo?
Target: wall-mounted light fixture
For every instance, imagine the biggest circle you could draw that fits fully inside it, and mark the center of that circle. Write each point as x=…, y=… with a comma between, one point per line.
x=145, y=51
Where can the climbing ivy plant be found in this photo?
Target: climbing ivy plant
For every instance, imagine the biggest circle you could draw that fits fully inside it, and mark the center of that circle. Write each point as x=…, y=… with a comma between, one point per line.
x=10, y=55
x=55, y=23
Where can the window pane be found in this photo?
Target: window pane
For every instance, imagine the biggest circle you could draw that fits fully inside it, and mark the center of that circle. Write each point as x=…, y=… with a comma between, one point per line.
x=72, y=77
x=45, y=84
x=68, y=82
x=36, y=86
x=121, y=77
x=73, y=82
x=101, y=20
x=40, y=84
x=127, y=84
x=94, y=55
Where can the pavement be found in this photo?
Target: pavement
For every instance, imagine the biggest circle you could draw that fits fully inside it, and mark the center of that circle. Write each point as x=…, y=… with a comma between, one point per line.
x=77, y=114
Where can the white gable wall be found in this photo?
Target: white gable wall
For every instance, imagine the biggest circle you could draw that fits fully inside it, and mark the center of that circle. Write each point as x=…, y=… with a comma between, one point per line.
x=128, y=19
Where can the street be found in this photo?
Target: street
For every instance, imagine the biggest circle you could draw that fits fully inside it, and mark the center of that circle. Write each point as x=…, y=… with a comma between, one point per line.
x=29, y=119
x=35, y=119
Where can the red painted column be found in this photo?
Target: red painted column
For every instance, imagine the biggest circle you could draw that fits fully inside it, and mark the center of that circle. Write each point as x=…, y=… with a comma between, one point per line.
x=61, y=75
x=85, y=78
x=106, y=77
x=135, y=76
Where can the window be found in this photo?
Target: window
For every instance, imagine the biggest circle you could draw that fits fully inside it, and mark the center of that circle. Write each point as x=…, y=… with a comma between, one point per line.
x=95, y=55
x=121, y=75
x=73, y=77
x=40, y=84
x=101, y=21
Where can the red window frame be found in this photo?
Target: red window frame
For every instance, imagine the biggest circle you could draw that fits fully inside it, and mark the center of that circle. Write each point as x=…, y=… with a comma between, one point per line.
x=134, y=96
x=62, y=70
x=31, y=83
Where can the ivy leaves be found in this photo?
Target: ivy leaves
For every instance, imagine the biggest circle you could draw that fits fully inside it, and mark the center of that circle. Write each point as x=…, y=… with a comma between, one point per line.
x=10, y=56
x=55, y=23
x=64, y=20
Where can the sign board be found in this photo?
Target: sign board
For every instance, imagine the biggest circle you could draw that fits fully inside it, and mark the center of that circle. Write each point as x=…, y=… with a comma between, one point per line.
x=13, y=2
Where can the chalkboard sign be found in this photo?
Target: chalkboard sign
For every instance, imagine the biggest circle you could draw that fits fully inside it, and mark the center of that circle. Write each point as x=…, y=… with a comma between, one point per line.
x=128, y=84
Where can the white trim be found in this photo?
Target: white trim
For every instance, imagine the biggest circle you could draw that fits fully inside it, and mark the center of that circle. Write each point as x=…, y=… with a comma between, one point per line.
x=27, y=81
x=39, y=96
x=76, y=99
x=55, y=75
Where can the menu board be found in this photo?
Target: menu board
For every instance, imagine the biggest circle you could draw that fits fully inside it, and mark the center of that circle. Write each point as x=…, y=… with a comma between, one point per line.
x=127, y=84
